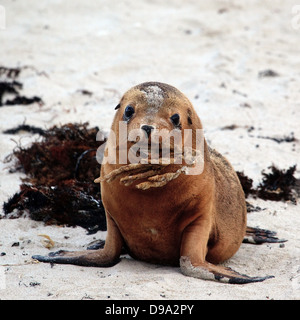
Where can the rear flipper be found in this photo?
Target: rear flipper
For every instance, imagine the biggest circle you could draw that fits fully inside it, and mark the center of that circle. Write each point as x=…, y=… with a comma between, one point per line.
x=208, y=271
x=259, y=236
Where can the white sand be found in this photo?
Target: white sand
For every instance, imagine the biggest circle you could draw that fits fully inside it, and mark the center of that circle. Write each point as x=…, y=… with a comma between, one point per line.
x=210, y=50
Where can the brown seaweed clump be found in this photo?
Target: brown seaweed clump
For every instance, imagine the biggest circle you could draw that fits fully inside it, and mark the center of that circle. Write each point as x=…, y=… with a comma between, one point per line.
x=278, y=185
x=59, y=187
x=246, y=182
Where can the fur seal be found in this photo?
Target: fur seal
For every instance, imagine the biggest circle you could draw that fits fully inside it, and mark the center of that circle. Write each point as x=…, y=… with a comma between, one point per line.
x=159, y=213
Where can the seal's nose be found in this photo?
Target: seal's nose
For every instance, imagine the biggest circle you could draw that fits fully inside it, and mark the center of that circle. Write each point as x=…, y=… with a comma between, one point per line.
x=147, y=129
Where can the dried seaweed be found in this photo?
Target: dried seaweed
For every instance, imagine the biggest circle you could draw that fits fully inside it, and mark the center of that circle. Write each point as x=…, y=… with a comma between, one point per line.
x=60, y=171
x=9, y=85
x=54, y=159
x=289, y=138
x=73, y=204
x=252, y=208
x=278, y=185
x=21, y=100
x=268, y=73
x=26, y=128
x=247, y=183
x=11, y=73
x=230, y=127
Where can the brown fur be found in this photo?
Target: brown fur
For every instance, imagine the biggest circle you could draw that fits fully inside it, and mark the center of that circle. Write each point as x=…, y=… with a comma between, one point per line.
x=194, y=220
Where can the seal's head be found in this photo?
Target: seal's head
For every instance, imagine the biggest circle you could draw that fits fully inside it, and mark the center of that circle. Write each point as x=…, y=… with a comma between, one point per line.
x=158, y=121
x=154, y=105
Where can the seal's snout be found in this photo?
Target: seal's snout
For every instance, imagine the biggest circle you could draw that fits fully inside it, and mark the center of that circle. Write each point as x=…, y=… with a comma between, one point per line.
x=147, y=129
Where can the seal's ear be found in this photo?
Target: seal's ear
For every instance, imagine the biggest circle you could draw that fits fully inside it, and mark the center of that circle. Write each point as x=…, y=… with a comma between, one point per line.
x=118, y=106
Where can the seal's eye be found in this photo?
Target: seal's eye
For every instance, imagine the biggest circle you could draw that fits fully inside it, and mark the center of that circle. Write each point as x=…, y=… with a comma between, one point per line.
x=129, y=111
x=175, y=119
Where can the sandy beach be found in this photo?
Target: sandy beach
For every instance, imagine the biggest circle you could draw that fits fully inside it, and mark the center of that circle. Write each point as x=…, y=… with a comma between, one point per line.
x=220, y=54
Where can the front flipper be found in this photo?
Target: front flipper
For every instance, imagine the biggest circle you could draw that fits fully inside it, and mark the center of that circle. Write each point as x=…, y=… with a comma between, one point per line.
x=193, y=253
x=96, y=258
x=259, y=236
x=208, y=271
x=107, y=256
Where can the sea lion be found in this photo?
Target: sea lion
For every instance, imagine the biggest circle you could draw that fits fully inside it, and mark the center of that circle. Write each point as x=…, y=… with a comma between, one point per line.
x=159, y=212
